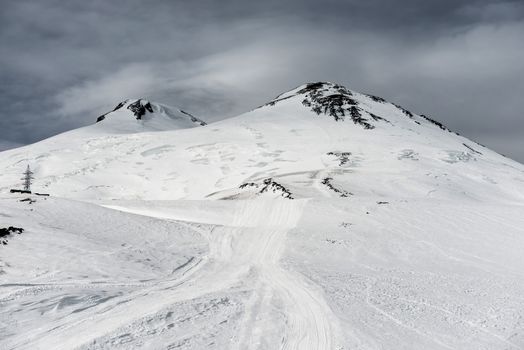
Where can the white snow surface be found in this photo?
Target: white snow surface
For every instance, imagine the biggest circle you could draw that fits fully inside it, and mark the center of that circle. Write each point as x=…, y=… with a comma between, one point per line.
x=282, y=228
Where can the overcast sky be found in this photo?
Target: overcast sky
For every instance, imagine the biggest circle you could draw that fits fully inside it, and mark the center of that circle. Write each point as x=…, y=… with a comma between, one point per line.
x=63, y=63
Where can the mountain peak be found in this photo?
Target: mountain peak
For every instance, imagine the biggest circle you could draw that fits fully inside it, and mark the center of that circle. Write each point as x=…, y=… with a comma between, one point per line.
x=340, y=103
x=334, y=100
x=142, y=115
x=139, y=107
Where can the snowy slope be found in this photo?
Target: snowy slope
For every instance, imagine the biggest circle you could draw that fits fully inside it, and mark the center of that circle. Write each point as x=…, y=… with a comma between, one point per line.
x=325, y=219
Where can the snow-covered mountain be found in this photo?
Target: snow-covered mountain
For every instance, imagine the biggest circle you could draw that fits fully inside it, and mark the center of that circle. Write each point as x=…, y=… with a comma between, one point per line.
x=324, y=219
x=138, y=115
x=298, y=140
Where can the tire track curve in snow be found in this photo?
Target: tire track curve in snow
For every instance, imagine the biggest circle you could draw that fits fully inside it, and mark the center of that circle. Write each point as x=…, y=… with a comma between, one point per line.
x=250, y=245
x=309, y=322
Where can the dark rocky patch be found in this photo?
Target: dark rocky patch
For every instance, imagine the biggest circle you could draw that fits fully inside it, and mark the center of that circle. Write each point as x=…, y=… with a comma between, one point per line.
x=332, y=105
x=357, y=118
x=19, y=191
x=312, y=87
x=269, y=185
x=273, y=186
x=405, y=111
x=28, y=200
x=103, y=116
x=5, y=232
x=248, y=184
x=341, y=192
x=434, y=122
x=382, y=202
x=194, y=119
x=377, y=118
x=336, y=101
x=333, y=100
x=376, y=98
x=120, y=105
x=139, y=108
x=343, y=157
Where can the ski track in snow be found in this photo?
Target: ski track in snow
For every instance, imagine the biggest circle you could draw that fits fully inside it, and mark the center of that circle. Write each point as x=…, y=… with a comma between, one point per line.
x=309, y=322
x=251, y=245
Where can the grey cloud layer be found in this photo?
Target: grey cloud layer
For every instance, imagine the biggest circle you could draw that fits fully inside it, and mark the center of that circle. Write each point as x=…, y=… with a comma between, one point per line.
x=64, y=62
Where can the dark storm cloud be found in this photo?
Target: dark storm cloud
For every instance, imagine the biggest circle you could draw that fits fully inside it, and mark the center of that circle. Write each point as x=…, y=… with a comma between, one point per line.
x=62, y=63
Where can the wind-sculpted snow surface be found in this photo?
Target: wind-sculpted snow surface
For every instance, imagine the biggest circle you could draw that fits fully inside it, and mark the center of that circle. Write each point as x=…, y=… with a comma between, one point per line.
x=325, y=219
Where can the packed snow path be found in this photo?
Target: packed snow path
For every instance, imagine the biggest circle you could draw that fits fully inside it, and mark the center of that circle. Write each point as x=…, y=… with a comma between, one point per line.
x=244, y=253
x=252, y=245
x=309, y=321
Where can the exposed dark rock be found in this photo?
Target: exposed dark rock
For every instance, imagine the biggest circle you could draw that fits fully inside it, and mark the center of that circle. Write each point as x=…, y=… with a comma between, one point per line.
x=341, y=192
x=139, y=108
x=19, y=191
x=29, y=200
x=338, y=102
x=103, y=116
x=376, y=117
x=433, y=121
x=333, y=100
x=194, y=119
x=376, y=98
x=405, y=111
x=120, y=105
x=343, y=157
x=269, y=185
x=357, y=118
x=312, y=87
x=5, y=232
x=248, y=184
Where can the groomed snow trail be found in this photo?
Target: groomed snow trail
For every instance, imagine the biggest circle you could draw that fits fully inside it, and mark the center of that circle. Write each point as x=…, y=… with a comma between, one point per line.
x=252, y=245
x=309, y=322
x=283, y=310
